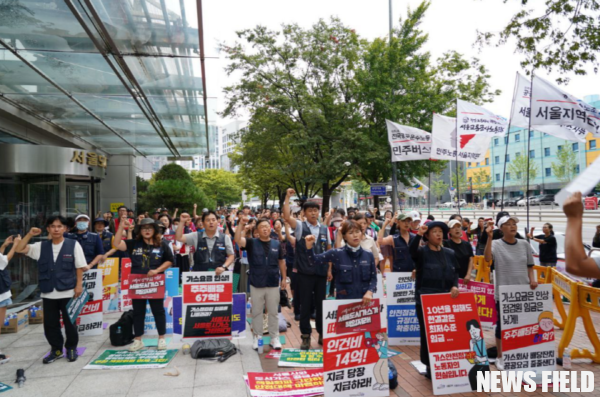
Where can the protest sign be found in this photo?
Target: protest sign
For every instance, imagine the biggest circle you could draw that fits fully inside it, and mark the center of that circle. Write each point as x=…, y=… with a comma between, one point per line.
x=484, y=298
x=355, y=363
x=75, y=305
x=89, y=320
x=474, y=119
x=447, y=145
x=301, y=358
x=584, y=183
x=4, y=387
x=177, y=311
x=289, y=384
x=207, y=305
x=124, y=293
x=143, y=287
x=110, y=283
x=408, y=143
x=273, y=354
x=238, y=319
x=455, y=340
x=403, y=324
x=357, y=317
x=171, y=288
x=527, y=328
x=124, y=359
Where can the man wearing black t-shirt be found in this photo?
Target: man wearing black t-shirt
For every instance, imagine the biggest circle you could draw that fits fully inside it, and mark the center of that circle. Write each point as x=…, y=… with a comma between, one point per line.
x=548, y=245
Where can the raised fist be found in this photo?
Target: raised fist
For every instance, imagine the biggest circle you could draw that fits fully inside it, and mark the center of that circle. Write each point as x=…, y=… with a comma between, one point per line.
x=423, y=229
x=290, y=192
x=34, y=231
x=310, y=241
x=184, y=218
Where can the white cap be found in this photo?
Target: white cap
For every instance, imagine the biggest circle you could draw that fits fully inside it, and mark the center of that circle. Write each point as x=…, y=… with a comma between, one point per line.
x=505, y=219
x=414, y=215
x=82, y=216
x=453, y=223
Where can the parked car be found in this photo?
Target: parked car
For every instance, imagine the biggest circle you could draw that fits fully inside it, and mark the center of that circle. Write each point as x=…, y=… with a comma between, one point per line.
x=447, y=204
x=544, y=199
x=523, y=203
x=512, y=201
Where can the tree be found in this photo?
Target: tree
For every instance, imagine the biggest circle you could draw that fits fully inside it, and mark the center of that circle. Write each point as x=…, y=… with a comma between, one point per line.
x=361, y=187
x=565, y=165
x=172, y=187
x=459, y=181
x=222, y=186
x=482, y=181
x=439, y=188
x=518, y=170
x=564, y=36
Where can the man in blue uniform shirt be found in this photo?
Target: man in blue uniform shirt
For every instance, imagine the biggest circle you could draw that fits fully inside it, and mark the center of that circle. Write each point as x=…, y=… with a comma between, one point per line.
x=90, y=242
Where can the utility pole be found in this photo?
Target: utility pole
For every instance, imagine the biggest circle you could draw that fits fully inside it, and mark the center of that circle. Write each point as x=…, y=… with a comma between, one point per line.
x=394, y=172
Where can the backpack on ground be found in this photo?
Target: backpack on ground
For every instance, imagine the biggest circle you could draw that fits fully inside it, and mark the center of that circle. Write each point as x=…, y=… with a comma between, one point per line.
x=217, y=349
x=393, y=375
x=121, y=332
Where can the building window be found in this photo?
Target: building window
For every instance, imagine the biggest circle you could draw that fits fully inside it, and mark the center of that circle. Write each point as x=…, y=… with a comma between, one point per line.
x=532, y=154
x=495, y=141
x=497, y=177
x=546, y=151
x=577, y=169
x=507, y=158
x=487, y=161
x=518, y=154
x=531, y=134
x=517, y=137
x=576, y=147
x=548, y=171
x=559, y=148
x=497, y=159
x=508, y=176
x=506, y=140
x=593, y=144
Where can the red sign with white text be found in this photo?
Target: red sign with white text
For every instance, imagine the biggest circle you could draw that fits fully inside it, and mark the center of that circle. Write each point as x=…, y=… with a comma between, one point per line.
x=144, y=287
x=207, y=293
x=357, y=317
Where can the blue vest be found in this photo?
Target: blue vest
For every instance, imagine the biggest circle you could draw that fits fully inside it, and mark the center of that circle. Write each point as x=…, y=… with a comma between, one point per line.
x=60, y=275
x=205, y=259
x=353, y=273
x=403, y=262
x=106, y=238
x=301, y=257
x=264, y=272
x=88, y=242
x=145, y=259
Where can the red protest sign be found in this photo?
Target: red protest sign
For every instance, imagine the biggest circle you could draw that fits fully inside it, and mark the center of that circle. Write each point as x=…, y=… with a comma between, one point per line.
x=144, y=287
x=357, y=317
x=207, y=293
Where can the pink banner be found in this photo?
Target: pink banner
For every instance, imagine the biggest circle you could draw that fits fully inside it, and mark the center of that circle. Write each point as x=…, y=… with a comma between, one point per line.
x=484, y=298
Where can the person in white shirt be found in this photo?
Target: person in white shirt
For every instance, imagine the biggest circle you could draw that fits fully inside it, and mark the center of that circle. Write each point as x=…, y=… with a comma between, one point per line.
x=60, y=266
x=5, y=282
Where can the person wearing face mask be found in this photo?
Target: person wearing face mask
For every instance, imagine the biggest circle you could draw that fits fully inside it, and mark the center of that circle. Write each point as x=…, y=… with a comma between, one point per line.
x=267, y=274
x=353, y=267
x=400, y=243
x=90, y=242
x=106, y=237
x=436, y=273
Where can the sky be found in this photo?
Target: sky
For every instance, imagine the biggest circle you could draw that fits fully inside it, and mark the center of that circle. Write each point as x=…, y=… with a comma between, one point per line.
x=451, y=25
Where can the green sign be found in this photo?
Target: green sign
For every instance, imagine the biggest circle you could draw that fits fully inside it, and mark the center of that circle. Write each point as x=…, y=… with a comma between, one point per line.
x=301, y=358
x=124, y=359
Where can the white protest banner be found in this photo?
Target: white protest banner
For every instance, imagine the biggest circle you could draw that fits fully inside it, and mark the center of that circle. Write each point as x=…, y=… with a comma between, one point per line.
x=207, y=305
x=416, y=189
x=473, y=120
x=584, y=183
x=354, y=363
x=447, y=146
x=408, y=143
x=456, y=346
x=526, y=318
x=403, y=325
x=552, y=106
x=90, y=319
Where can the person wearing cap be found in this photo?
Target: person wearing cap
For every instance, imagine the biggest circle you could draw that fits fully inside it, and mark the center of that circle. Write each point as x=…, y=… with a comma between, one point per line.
x=400, y=243
x=459, y=218
x=105, y=236
x=577, y=260
x=436, y=273
x=90, y=242
x=462, y=250
x=513, y=260
x=150, y=255
x=415, y=221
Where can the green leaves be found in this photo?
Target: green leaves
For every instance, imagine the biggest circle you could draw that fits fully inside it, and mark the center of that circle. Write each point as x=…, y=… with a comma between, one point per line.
x=222, y=186
x=564, y=166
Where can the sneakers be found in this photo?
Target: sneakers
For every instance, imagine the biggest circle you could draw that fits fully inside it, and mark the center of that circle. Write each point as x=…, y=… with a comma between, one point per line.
x=255, y=342
x=499, y=364
x=72, y=355
x=305, y=342
x=53, y=356
x=162, y=344
x=297, y=317
x=137, y=345
x=275, y=343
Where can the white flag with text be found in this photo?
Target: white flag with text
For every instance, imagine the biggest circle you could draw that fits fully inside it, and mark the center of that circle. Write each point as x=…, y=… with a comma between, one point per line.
x=446, y=145
x=473, y=119
x=408, y=143
x=415, y=189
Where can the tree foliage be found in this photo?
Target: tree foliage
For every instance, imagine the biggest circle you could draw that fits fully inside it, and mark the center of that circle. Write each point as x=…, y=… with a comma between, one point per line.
x=439, y=188
x=565, y=165
x=564, y=36
x=361, y=187
x=222, y=186
x=518, y=171
x=460, y=182
x=482, y=181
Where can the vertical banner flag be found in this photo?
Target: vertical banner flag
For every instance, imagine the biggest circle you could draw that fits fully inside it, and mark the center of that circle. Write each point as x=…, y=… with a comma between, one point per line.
x=110, y=281
x=355, y=363
x=486, y=304
x=452, y=192
x=473, y=120
x=124, y=292
x=415, y=189
x=446, y=145
x=527, y=329
x=238, y=318
x=552, y=106
x=403, y=325
x=177, y=304
x=408, y=143
x=455, y=340
x=89, y=322
x=169, y=290
x=207, y=304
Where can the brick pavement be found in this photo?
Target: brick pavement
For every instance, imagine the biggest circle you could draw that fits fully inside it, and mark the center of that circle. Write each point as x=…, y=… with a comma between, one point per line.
x=412, y=384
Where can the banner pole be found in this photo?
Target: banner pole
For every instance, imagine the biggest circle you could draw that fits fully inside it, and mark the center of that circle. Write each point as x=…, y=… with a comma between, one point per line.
x=507, y=141
x=529, y=147
x=456, y=170
x=429, y=192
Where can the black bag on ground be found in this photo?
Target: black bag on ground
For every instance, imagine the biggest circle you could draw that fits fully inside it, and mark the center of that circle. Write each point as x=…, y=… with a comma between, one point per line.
x=393, y=375
x=124, y=336
x=219, y=349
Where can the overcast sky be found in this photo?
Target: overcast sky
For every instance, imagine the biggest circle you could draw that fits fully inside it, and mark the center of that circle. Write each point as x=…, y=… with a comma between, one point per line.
x=451, y=25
